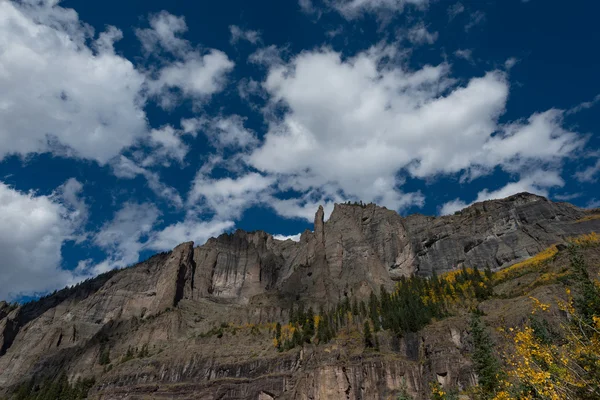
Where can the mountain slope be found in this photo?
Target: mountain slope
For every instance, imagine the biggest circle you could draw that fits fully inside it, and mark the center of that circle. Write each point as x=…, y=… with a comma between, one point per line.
x=171, y=309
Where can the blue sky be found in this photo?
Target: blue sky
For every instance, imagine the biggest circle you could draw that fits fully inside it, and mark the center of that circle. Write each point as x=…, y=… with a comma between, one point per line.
x=128, y=127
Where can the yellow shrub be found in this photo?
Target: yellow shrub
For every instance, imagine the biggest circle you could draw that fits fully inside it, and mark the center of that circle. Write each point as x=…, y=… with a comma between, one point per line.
x=530, y=264
x=590, y=239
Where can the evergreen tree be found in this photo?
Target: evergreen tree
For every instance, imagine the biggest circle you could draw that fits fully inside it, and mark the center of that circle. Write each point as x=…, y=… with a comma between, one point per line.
x=300, y=316
x=354, y=307
x=486, y=364
x=323, y=331
x=308, y=329
x=587, y=302
x=104, y=356
x=374, y=311
x=368, y=335
x=292, y=317
x=363, y=309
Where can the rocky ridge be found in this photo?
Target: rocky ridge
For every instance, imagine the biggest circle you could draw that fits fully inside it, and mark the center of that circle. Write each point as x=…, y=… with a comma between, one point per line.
x=164, y=303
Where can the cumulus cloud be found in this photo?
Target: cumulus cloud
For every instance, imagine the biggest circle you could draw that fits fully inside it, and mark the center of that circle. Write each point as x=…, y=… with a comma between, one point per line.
x=584, y=106
x=303, y=207
x=238, y=34
x=589, y=174
x=537, y=182
x=163, y=34
x=33, y=229
x=228, y=197
x=307, y=6
x=295, y=238
x=224, y=131
x=189, y=230
x=352, y=9
x=126, y=168
x=594, y=203
x=194, y=74
x=267, y=56
x=476, y=18
x=419, y=34
x=350, y=128
x=465, y=54
x=167, y=145
x=58, y=94
x=133, y=229
x=122, y=237
x=197, y=77
x=454, y=10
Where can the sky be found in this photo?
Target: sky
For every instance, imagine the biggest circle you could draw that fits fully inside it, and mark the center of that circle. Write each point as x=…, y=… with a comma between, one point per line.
x=128, y=127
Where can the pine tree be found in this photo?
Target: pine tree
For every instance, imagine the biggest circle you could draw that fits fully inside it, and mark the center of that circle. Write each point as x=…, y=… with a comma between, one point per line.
x=104, y=356
x=587, y=302
x=486, y=364
x=308, y=329
x=323, y=329
x=368, y=335
x=363, y=309
x=374, y=311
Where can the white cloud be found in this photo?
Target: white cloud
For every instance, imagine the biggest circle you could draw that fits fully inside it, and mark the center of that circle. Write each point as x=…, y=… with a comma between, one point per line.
x=69, y=194
x=57, y=94
x=295, y=238
x=454, y=10
x=229, y=132
x=465, y=54
x=122, y=238
x=125, y=168
x=589, y=173
x=167, y=145
x=594, y=203
x=194, y=74
x=33, y=229
x=228, y=197
x=163, y=34
x=307, y=6
x=566, y=196
x=476, y=18
x=133, y=229
x=248, y=88
x=510, y=62
x=267, y=56
x=197, y=231
x=537, y=182
x=419, y=34
x=541, y=138
x=197, y=77
x=224, y=132
x=238, y=34
x=303, y=207
x=351, y=9
x=584, y=106
x=351, y=128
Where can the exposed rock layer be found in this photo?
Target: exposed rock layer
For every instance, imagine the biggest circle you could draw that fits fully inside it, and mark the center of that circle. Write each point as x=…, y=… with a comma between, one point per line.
x=251, y=277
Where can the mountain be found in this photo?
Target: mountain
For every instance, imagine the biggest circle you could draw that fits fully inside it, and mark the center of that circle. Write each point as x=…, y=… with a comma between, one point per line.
x=199, y=322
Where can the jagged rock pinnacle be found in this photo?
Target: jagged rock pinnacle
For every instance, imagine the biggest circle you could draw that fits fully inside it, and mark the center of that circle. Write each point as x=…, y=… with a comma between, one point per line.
x=319, y=224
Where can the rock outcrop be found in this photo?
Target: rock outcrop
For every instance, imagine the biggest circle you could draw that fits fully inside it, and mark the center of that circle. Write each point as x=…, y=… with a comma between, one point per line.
x=166, y=301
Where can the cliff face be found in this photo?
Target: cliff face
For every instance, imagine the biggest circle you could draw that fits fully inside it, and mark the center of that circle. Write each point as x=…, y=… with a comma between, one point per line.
x=168, y=301
x=361, y=248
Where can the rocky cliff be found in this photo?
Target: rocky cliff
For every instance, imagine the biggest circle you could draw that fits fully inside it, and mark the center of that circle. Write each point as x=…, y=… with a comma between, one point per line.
x=167, y=303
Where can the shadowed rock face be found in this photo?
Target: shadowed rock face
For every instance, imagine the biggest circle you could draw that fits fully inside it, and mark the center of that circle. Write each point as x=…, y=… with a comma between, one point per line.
x=252, y=277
